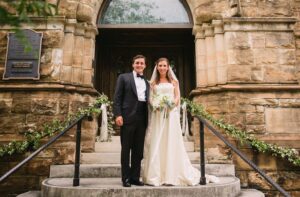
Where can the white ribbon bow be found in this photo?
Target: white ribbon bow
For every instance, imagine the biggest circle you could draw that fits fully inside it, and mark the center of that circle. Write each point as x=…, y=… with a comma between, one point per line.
x=185, y=123
x=104, y=124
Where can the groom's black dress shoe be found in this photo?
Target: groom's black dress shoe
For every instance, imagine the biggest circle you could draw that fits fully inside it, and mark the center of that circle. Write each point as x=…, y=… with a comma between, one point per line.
x=137, y=182
x=126, y=183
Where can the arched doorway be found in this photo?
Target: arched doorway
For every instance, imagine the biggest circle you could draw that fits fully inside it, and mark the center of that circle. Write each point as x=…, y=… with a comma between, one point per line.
x=153, y=28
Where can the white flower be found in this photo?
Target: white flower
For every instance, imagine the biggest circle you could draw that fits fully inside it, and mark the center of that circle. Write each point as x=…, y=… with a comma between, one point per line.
x=160, y=102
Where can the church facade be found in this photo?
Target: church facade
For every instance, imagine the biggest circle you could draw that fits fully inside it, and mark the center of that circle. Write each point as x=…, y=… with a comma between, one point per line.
x=239, y=58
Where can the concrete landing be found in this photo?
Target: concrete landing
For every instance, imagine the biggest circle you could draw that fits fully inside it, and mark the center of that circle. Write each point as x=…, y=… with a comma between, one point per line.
x=112, y=187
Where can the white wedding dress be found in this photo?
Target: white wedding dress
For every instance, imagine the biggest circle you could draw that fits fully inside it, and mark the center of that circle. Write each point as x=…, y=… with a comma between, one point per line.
x=165, y=159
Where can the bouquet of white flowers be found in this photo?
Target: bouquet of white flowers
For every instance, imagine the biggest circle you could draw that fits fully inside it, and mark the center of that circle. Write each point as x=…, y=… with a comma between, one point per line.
x=161, y=102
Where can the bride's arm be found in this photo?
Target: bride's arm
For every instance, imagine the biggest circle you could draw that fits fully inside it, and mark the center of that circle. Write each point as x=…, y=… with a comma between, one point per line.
x=151, y=94
x=176, y=93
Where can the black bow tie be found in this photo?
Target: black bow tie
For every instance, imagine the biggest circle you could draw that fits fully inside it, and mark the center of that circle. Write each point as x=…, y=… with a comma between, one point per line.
x=141, y=76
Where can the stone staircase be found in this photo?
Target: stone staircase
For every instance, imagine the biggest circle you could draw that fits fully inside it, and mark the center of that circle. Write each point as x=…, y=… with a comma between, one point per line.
x=100, y=176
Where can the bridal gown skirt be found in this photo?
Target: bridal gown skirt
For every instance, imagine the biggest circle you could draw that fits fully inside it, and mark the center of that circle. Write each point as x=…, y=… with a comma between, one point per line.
x=165, y=158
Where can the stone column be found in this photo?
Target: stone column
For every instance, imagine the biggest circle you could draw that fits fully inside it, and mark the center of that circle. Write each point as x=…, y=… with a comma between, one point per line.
x=201, y=69
x=210, y=54
x=68, y=47
x=220, y=52
x=88, y=56
x=78, y=54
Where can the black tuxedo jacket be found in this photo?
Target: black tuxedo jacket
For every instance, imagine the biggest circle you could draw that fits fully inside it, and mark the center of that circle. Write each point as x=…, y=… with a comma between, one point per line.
x=125, y=99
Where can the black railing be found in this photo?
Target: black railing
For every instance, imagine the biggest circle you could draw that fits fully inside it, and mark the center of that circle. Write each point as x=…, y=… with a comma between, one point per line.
x=77, y=122
x=203, y=123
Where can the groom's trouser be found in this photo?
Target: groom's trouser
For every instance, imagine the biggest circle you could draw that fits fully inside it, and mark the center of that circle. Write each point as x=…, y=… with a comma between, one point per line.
x=132, y=138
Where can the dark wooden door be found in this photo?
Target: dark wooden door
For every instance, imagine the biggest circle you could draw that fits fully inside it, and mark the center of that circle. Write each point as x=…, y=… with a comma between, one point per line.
x=116, y=47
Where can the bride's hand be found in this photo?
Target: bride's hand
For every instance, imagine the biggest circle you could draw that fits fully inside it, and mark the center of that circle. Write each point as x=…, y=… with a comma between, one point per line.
x=176, y=93
x=176, y=102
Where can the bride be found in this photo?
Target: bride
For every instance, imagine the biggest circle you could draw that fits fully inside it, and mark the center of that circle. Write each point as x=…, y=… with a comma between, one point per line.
x=165, y=159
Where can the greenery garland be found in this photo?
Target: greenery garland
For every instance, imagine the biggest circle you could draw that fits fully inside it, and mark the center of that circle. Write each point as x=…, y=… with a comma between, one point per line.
x=33, y=138
x=291, y=154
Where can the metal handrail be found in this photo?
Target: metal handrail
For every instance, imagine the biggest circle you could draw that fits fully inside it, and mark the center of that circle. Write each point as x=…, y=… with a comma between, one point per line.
x=77, y=122
x=203, y=123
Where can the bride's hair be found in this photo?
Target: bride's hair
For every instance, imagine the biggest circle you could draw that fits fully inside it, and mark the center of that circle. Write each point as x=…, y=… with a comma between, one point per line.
x=169, y=76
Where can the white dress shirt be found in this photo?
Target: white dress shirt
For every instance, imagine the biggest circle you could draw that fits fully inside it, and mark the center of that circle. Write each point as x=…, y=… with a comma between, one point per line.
x=140, y=87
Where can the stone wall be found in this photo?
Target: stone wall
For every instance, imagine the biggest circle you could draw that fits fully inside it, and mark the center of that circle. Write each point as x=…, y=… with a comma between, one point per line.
x=297, y=38
x=248, y=75
x=206, y=10
x=246, y=50
x=67, y=51
x=272, y=116
x=65, y=85
x=261, y=52
x=25, y=110
x=265, y=8
x=66, y=63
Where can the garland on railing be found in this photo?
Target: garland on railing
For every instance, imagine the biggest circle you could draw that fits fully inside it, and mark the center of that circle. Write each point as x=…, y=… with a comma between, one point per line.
x=292, y=155
x=33, y=138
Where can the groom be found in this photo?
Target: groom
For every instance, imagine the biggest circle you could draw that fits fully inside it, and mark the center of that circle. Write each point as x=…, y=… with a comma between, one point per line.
x=130, y=110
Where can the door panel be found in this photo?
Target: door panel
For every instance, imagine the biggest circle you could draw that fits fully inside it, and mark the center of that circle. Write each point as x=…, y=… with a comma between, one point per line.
x=115, y=49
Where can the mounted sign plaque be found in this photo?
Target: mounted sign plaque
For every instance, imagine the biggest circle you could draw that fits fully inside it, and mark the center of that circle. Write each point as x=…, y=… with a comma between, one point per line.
x=21, y=64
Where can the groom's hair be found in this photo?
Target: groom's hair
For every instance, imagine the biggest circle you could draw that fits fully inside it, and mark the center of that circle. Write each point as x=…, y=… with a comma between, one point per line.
x=138, y=57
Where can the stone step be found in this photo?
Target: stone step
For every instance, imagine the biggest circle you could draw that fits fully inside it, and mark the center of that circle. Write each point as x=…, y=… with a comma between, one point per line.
x=114, y=170
x=112, y=187
x=115, y=139
x=251, y=193
x=115, y=146
x=114, y=158
x=243, y=193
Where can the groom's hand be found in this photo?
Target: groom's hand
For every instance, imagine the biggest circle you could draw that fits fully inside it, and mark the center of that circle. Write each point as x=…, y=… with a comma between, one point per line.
x=119, y=121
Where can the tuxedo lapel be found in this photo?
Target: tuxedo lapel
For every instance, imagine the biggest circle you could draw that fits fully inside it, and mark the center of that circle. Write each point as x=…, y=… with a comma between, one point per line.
x=132, y=83
x=147, y=90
